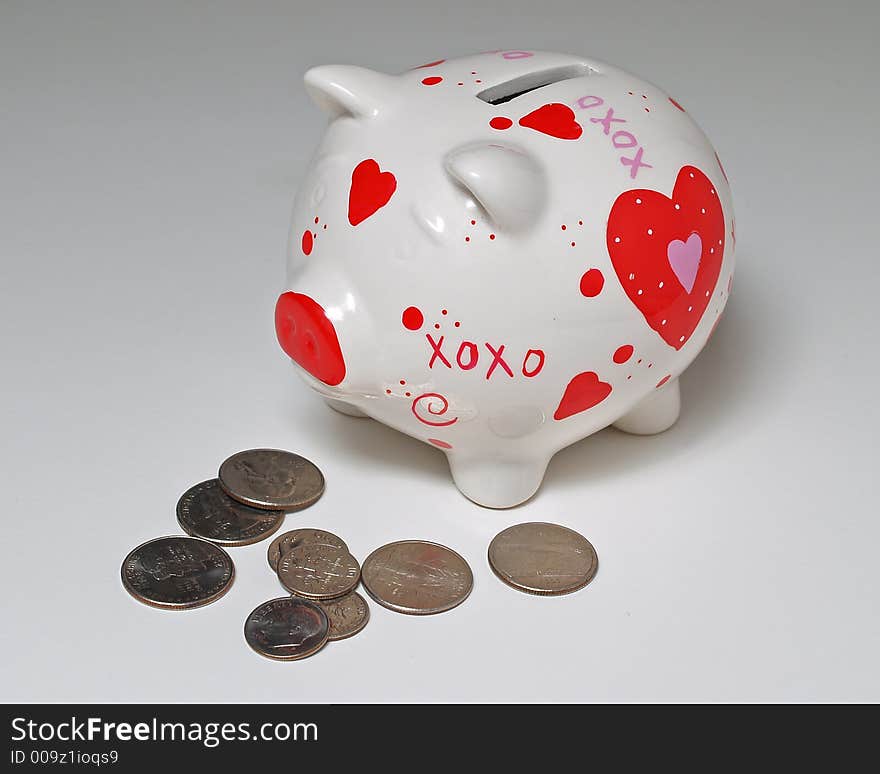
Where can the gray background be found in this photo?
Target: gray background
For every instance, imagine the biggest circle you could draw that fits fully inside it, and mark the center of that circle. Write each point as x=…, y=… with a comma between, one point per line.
x=148, y=158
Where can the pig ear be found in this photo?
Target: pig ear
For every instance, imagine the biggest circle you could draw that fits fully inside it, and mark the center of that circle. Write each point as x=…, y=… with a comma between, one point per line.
x=508, y=182
x=349, y=90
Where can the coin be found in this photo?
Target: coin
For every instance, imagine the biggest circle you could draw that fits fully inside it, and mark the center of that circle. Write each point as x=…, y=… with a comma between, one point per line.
x=289, y=540
x=542, y=558
x=287, y=628
x=417, y=577
x=319, y=572
x=348, y=615
x=206, y=511
x=271, y=479
x=177, y=572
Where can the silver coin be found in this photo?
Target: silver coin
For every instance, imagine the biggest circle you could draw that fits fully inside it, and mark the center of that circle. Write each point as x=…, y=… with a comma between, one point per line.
x=348, y=615
x=177, y=573
x=287, y=628
x=317, y=571
x=417, y=577
x=206, y=511
x=541, y=558
x=272, y=479
x=290, y=540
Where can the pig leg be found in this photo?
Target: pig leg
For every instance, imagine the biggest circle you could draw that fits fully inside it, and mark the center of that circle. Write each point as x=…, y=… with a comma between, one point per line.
x=494, y=481
x=344, y=408
x=655, y=413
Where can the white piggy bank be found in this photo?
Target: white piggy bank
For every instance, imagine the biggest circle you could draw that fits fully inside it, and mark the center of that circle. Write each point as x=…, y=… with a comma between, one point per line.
x=503, y=253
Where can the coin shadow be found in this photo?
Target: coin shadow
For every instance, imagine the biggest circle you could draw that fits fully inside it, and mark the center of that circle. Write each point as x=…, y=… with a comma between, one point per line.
x=743, y=373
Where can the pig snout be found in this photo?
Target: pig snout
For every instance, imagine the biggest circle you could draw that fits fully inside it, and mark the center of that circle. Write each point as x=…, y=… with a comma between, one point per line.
x=308, y=337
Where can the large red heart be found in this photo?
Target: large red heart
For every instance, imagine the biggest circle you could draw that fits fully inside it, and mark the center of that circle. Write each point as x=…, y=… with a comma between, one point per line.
x=370, y=190
x=554, y=119
x=667, y=252
x=583, y=392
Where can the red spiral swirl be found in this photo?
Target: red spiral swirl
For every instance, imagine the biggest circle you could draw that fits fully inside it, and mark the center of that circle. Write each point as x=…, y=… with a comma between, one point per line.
x=431, y=408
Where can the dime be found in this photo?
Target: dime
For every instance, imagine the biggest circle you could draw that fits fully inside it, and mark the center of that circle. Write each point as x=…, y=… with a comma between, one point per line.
x=319, y=572
x=417, y=577
x=177, y=572
x=542, y=558
x=206, y=511
x=348, y=615
x=271, y=479
x=290, y=540
x=287, y=628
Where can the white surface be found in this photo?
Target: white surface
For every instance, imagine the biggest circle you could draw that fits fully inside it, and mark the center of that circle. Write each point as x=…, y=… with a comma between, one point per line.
x=148, y=159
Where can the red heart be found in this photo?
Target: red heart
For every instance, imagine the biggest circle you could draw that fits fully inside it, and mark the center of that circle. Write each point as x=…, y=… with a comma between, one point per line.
x=370, y=190
x=583, y=392
x=641, y=226
x=554, y=119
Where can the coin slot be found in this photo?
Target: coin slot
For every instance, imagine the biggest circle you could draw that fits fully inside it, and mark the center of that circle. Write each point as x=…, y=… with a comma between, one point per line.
x=517, y=87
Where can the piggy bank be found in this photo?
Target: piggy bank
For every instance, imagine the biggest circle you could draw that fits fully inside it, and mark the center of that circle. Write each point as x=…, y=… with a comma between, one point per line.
x=501, y=254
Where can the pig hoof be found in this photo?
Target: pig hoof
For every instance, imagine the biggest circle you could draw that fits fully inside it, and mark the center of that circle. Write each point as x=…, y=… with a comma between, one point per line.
x=344, y=408
x=655, y=413
x=497, y=483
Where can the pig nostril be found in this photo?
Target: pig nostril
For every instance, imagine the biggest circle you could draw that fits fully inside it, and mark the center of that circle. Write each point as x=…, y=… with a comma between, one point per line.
x=311, y=344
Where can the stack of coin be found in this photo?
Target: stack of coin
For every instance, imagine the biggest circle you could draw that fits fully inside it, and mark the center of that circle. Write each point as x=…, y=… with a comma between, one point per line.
x=316, y=567
x=245, y=504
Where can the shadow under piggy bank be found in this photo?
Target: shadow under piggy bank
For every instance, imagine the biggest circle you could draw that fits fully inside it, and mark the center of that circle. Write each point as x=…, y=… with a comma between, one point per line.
x=734, y=382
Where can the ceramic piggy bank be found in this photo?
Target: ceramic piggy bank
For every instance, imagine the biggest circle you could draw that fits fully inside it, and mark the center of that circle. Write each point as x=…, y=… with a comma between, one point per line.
x=501, y=254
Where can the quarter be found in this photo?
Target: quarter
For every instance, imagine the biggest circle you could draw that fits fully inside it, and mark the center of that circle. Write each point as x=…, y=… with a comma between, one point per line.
x=417, y=577
x=177, y=573
x=271, y=479
x=206, y=511
x=541, y=558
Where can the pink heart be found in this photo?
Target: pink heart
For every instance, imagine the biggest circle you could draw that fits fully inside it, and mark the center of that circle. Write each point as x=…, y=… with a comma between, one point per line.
x=684, y=258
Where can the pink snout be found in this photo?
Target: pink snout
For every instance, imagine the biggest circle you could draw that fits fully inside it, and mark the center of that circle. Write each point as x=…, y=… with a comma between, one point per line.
x=307, y=335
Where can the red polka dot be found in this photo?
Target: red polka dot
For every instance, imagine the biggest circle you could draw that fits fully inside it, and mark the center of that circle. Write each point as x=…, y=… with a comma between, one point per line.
x=457, y=324
x=563, y=226
x=403, y=381
x=592, y=282
x=622, y=354
x=413, y=318
x=308, y=242
x=387, y=392
x=664, y=380
x=500, y=122
x=407, y=394
x=473, y=223
x=467, y=239
x=444, y=311
x=441, y=444
x=491, y=236
x=572, y=244
x=432, y=80
x=316, y=218
x=677, y=105
x=437, y=326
